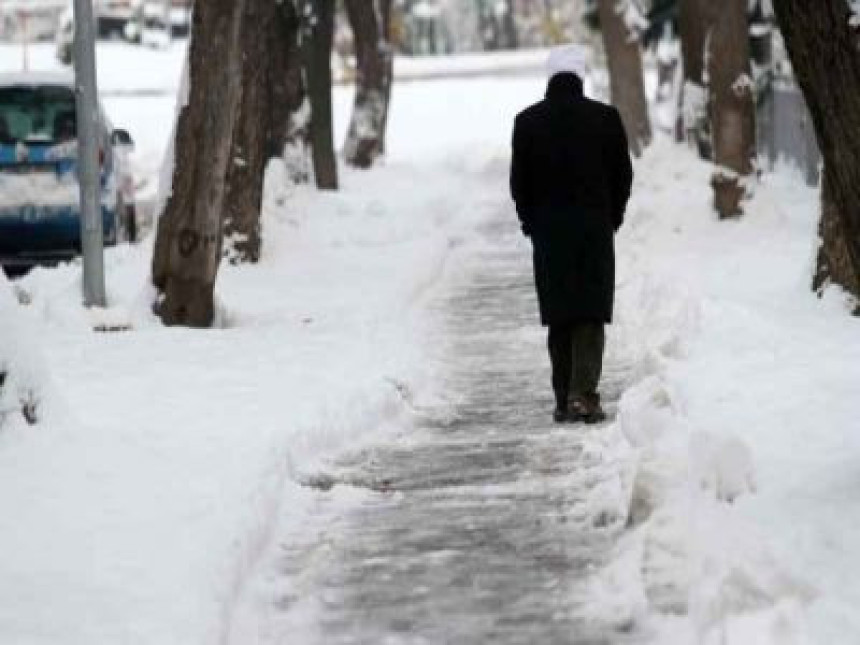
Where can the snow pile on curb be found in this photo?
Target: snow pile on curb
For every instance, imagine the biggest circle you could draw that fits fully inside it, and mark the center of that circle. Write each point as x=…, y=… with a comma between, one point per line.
x=136, y=513
x=26, y=393
x=737, y=407
x=139, y=522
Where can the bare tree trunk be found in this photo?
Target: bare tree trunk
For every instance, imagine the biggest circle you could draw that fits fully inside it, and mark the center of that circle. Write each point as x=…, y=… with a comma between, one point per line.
x=509, y=25
x=488, y=28
x=693, y=30
x=252, y=133
x=364, y=142
x=761, y=38
x=693, y=25
x=834, y=260
x=269, y=97
x=317, y=37
x=188, y=243
x=287, y=78
x=627, y=84
x=823, y=47
x=666, y=76
x=294, y=117
x=733, y=105
x=386, y=8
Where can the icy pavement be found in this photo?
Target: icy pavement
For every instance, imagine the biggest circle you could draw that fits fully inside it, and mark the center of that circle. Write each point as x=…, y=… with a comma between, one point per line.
x=471, y=527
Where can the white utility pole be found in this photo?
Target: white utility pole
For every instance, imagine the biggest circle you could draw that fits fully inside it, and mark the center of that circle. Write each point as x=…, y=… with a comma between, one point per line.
x=167, y=22
x=24, y=18
x=86, y=95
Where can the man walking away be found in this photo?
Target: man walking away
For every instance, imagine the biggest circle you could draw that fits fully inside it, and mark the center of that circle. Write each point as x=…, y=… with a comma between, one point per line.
x=570, y=179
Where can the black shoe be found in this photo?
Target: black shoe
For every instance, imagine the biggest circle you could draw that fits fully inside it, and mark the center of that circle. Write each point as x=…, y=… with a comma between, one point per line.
x=561, y=415
x=596, y=416
x=587, y=409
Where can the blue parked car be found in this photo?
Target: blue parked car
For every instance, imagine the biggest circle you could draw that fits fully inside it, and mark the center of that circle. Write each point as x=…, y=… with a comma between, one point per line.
x=39, y=191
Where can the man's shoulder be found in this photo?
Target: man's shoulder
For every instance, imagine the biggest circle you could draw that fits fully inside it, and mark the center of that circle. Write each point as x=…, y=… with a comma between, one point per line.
x=539, y=110
x=603, y=109
x=530, y=112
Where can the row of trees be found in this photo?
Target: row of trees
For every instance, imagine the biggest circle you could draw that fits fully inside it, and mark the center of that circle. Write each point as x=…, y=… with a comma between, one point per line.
x=717, y=97
x=259, y=87
x=445, y=26
x=717, y=92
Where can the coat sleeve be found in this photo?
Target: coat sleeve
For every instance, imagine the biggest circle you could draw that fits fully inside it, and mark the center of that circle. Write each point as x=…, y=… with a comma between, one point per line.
x=520, y=177
x=620, y=170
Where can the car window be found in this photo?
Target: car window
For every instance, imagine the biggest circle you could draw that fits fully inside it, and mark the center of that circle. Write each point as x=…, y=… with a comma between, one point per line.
x=35, y=114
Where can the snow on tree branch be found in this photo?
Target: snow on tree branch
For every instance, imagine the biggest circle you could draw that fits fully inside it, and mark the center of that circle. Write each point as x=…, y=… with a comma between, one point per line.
x=633, y=16
x=743, y=84
x=854, y=16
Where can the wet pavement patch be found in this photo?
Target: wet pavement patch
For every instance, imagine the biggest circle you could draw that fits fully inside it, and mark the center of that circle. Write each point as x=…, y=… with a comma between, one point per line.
x=475, y=529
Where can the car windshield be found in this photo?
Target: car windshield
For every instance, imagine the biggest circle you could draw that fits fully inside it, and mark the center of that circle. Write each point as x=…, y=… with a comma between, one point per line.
x=37, y=114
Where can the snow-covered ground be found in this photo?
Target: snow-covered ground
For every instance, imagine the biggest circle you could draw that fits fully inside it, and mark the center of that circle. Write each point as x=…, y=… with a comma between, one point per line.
x=134, y=510
x=743, y=425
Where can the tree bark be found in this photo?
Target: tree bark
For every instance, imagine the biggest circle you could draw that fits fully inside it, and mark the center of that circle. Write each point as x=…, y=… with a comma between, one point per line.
x=693, y=25
x=317, y=38
x=386, y=8
x=833, y=264
x=287, y=77
x=627, y=84
x=295, y=115
x=263, y=53
x=488, y=27
x=364, y=142
x=509, y=25
x=693, y=30
x=189, y=239
x=823, y=42
x=733, y=104
x=669, y=74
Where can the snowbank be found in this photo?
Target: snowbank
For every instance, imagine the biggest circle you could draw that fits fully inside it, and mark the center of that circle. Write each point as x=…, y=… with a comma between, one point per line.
x=26, y=391
x=134, y=513
x=137, y=514
x=741, y=425
x=135, y=524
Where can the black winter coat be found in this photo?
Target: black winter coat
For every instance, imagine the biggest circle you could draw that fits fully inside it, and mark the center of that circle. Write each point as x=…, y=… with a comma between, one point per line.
x=570, y=179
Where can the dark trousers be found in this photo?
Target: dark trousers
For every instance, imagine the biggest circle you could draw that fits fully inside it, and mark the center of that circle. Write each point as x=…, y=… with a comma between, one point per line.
x=576, y=354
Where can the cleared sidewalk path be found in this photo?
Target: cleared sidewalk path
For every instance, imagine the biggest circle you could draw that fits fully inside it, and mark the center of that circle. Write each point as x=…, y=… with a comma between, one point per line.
x=476, y=530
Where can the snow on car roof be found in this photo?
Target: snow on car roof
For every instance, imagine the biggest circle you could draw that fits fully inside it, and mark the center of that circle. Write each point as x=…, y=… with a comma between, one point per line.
x=66, y=79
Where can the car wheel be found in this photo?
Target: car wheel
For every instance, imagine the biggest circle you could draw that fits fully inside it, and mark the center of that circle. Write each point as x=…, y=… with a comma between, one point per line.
x=130, y=222
x=113, y=232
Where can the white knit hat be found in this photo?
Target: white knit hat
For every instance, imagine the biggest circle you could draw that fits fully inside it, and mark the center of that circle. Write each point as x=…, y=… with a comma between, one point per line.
x=569, y=58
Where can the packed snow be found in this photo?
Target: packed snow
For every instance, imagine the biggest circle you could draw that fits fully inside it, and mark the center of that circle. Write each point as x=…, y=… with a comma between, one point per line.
x=138, y=502
x=742, y=424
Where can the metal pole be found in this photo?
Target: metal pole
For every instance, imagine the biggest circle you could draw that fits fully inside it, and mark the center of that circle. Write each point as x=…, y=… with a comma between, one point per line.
x=25, y=27
x=92, y=236
x=167, y=23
